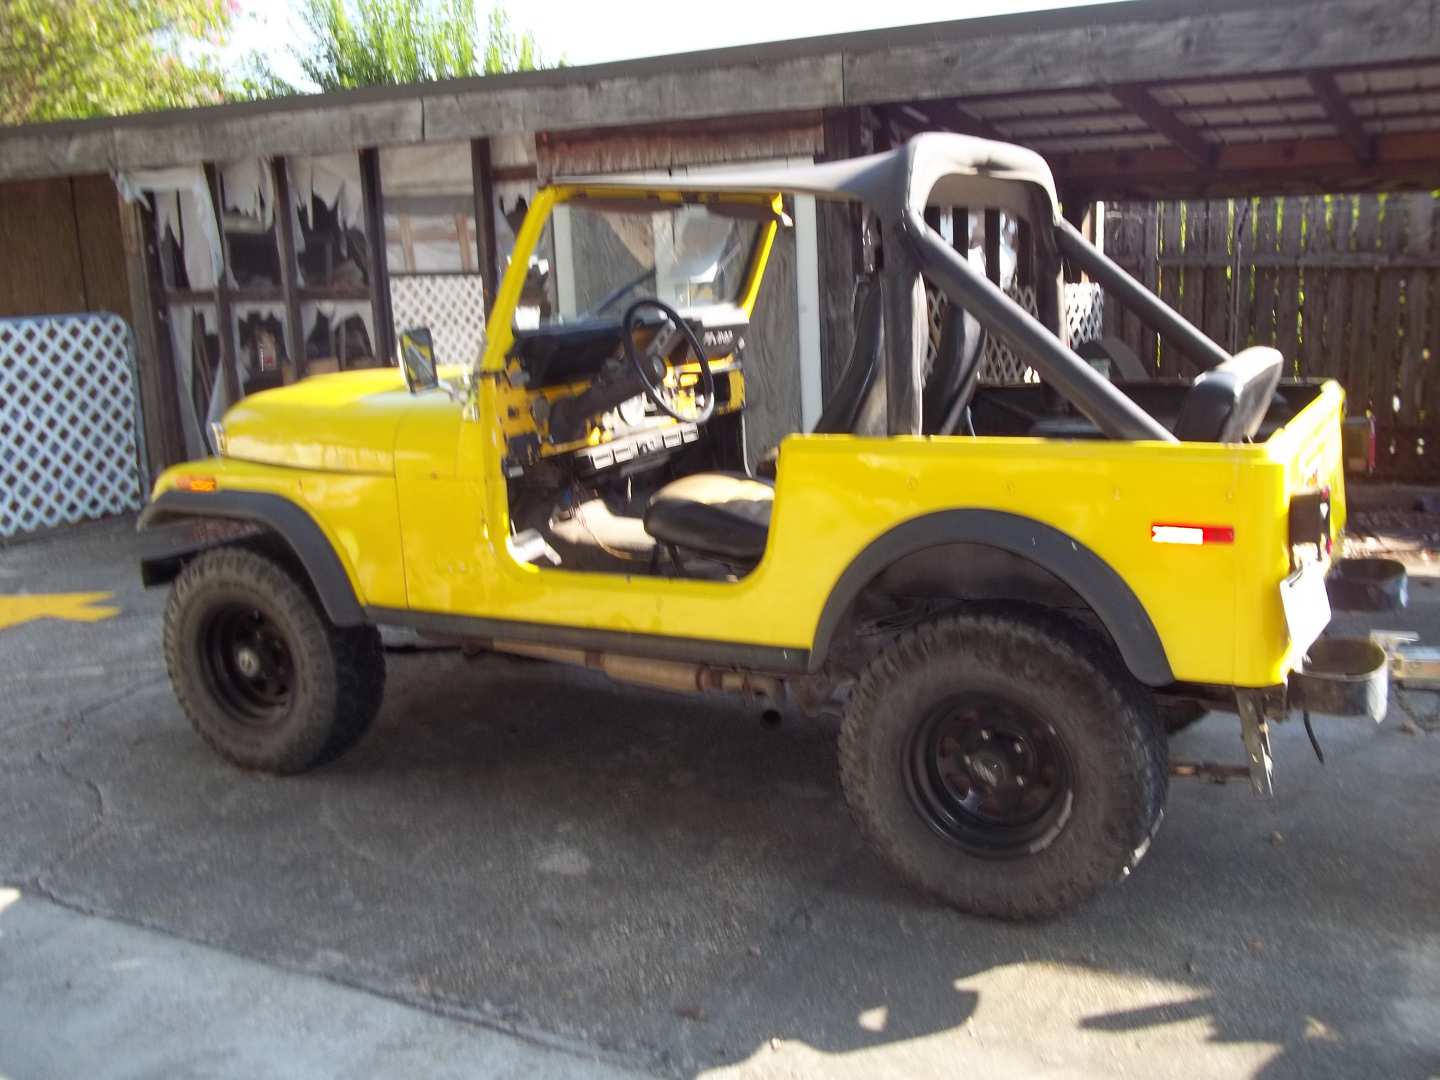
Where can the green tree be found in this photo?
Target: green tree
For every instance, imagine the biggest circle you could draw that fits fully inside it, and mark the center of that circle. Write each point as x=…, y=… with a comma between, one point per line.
x=73, y=58
x=383, y=42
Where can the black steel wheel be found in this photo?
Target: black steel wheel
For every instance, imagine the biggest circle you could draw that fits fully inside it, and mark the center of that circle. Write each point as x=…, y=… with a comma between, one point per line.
x=264, y=677
x=247, y=664
x=989, y=775
x=1004, y=760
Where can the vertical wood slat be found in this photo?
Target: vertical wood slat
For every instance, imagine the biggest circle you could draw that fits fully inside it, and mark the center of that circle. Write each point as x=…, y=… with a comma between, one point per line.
x=1262, y=327
x=289, y=266
x=159, y=391
x=225, y=324
x=1287, y=286
x=1313, y=359
x=1362, y=308
x=1149, y=276
x=380, y=314
x=1430, y=374
x=102, y=249
x=1242, y=281
x=1218, y=234
x=482, y=180
x=1385, y=360
x=1192, y=283
x=1171, y=359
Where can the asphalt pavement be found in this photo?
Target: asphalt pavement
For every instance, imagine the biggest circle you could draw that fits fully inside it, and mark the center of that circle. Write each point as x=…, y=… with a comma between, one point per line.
x=526, y=870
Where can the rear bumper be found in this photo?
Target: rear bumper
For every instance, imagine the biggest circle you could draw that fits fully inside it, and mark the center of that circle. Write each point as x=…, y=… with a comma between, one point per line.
x=1343, y=676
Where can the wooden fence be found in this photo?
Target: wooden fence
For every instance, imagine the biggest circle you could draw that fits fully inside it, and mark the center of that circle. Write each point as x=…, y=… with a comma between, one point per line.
x=1345, y=286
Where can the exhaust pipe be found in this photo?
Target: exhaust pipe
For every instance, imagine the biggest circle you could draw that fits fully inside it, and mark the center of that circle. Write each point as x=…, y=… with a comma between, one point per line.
x=673, y=675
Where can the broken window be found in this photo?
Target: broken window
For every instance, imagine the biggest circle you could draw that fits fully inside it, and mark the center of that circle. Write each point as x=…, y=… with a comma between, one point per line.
x=247, y=216
x=337, y=336
x=330, y=241
x=262, y=359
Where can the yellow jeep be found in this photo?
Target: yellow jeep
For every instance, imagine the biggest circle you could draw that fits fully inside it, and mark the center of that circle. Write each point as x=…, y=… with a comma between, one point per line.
x=1001, y=587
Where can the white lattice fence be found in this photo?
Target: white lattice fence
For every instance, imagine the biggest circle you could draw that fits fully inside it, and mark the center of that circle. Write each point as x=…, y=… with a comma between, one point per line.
x=71, y=440
x=452, y=305
x=1084, y=316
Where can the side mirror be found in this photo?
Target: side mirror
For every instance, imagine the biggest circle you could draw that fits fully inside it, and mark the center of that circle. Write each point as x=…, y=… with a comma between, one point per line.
x=417, y=359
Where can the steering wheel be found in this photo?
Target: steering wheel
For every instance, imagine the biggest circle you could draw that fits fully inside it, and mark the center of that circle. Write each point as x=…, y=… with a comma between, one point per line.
x=652, y=367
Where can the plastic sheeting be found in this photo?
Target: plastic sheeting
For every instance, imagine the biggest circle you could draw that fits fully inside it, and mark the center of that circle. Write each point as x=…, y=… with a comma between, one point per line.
x=334, y=179
x=182, y=206
x=249, y=189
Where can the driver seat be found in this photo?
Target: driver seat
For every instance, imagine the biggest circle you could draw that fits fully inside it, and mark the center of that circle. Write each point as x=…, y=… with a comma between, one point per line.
x=723, y=514
x=727, y=515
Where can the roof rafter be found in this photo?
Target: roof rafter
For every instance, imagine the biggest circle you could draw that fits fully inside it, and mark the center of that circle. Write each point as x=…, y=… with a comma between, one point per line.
x=1337, y=108
x=1162, y=121
x=952, y=117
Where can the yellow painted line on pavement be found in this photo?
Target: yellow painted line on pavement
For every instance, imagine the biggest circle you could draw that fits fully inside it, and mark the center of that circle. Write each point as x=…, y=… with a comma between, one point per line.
x=71, y=607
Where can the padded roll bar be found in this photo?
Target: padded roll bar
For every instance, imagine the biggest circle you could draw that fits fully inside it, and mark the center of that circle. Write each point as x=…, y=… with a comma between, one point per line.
x=1110, y=410
x=1145, y=304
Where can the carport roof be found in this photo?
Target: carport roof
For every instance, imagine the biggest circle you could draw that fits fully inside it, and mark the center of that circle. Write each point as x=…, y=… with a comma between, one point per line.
x=1153, y=97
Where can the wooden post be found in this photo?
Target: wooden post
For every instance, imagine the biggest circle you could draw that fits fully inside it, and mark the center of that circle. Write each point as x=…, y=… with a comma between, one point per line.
x=370, y=194
x=839, y=258
x=289, y=267
x=482, y=178
x=159, y=399
x=230, y=372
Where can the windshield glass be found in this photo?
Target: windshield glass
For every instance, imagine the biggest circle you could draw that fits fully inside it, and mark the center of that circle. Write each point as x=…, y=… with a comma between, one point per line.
x=599, y=260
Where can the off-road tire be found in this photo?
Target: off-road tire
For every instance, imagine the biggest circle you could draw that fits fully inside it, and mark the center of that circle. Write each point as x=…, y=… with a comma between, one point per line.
x=339, y=673
x=1078, y=686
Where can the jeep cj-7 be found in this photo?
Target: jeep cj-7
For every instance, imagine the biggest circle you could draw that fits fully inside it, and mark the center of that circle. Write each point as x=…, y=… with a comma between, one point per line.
x=1004, y=589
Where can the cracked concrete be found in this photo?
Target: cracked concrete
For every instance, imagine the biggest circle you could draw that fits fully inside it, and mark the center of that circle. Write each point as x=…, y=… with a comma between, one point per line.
x=619, y=879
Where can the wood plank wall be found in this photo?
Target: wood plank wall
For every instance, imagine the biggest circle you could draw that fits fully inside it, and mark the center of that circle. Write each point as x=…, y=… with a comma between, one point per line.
x=1345, y=286
x=61, y=248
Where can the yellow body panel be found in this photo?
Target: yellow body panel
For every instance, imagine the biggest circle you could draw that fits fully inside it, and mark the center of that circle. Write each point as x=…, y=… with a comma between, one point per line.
x=410, y=491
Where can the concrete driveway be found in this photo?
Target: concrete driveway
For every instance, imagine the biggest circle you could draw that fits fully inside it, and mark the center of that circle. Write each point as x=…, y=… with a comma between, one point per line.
x=628, y=881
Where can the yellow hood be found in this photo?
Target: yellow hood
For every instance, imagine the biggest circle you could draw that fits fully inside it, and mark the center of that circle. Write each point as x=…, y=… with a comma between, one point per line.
x=334, y=423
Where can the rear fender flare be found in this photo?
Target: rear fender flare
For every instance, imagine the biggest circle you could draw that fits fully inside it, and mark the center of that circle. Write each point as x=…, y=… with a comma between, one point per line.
x=173, y=515
x=1093, y=579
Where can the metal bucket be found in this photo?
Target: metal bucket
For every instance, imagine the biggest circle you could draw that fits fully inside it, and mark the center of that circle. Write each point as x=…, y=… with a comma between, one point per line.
x=1343, y=677
x=1367, y=585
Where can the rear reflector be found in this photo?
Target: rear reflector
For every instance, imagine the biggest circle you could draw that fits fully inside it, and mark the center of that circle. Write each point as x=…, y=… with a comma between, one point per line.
x=1165, y=533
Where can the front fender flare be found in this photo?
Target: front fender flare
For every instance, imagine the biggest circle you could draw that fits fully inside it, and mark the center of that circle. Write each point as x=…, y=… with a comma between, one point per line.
x=1092, y=578
x=173, y=517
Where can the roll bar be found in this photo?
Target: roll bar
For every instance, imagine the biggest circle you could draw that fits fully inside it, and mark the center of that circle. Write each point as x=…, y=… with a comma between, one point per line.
x=1160, y=315
x=1104, y=404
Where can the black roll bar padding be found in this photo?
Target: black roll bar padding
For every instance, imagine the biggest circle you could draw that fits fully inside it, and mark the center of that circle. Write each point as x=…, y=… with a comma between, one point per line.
x=1110, y=410
x=1145, y=304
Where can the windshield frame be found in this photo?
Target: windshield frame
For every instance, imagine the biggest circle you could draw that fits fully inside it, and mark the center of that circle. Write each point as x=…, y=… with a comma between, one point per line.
x=500, y=328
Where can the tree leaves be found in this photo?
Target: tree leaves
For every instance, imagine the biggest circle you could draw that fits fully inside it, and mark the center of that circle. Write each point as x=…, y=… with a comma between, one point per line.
x=388, y=42
x=73, y=58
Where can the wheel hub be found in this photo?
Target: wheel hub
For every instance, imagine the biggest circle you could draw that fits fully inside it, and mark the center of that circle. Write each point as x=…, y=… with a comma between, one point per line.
x=248, y=664
x=990, y=769
x=248, y=661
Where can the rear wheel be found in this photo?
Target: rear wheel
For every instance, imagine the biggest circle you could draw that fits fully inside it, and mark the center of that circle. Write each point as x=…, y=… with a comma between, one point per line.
x=261, y=673
x=1004, y=761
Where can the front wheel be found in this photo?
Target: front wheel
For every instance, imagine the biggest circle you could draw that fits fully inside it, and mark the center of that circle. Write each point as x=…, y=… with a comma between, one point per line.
x=1004, y=761
x=264, y=677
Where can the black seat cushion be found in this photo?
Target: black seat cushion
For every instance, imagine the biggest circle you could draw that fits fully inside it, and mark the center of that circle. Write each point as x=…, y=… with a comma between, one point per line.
x=716, y=513
x=1227, y=403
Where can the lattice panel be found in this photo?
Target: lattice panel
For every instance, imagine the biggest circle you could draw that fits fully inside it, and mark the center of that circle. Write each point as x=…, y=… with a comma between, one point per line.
x=1084, y=312
x=1084, y=315
x=452, y=305
x=70, y=436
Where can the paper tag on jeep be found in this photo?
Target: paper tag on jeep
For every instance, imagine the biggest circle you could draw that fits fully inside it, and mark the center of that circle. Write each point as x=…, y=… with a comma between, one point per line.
x=1307, y=607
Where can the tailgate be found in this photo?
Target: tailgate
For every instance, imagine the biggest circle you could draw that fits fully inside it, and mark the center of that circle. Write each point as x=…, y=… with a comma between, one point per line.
x=1294, y=506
